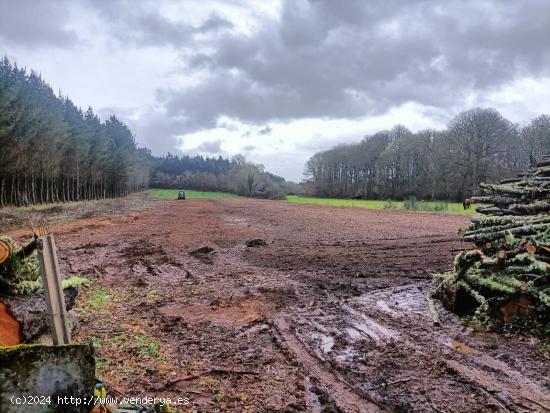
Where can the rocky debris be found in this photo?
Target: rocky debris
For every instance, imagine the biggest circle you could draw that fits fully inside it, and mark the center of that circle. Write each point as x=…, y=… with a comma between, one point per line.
x=505, y=278
x=204, y=250
x=204, y=253
x=256, y=242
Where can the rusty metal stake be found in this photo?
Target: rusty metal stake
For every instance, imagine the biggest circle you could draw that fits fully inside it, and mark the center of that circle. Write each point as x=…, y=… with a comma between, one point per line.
x=53, y=290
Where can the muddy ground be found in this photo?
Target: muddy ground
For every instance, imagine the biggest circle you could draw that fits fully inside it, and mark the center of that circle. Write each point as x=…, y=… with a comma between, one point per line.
x=329, y=316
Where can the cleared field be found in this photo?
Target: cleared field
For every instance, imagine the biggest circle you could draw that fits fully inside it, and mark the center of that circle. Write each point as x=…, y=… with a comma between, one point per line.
x=328, y=314
x=168, y=194
x=450, y=207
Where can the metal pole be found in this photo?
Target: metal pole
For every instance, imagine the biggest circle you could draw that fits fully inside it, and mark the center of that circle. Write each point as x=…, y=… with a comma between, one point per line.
x=53, y=290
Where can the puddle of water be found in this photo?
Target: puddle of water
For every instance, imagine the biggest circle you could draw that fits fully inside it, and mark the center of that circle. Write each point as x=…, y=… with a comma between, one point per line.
x=383, y=305
x=346, y=354
x=327, y=342
x=373, y=329
x=354, y=333
x=370, y=327
x=312, y=400
x=396, y=300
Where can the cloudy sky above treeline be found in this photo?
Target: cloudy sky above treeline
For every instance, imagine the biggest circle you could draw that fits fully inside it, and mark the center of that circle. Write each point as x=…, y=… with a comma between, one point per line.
x=281, y=80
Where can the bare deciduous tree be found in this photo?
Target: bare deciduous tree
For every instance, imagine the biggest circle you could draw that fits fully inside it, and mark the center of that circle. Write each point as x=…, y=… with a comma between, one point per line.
x=479, y=145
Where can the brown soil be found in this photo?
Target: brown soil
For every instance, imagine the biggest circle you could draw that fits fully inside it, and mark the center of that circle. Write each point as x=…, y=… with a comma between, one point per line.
x=329, y=316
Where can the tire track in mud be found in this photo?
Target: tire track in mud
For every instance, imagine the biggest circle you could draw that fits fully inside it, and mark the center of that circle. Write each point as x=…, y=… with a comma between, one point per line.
x=477, y=366
x=342, y=393
x=495, y=386
x=504, y=387
x=369, y=264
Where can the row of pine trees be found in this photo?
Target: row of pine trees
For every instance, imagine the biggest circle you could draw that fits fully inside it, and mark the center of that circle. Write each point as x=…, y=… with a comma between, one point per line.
x=52, y=151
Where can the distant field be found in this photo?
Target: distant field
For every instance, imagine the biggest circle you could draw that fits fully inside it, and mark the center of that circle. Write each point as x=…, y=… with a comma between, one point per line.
x=164, y=194
x=452, y=207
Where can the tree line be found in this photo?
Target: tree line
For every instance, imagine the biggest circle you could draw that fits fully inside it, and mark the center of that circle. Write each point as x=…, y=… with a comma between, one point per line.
x=52, y=151
x=478, y=145
x=235, y=175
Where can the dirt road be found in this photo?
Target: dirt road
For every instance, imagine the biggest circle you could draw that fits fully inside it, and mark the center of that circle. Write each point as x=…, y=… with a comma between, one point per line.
x=329, y=316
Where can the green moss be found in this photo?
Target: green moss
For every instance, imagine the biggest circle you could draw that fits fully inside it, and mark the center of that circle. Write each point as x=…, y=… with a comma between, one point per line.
x=537, y=267
x=7, y=350
x=510, y=239
x=99, y=297
x=148, y=346
x=20, y=276
x=75, y=282
x=495, y=285
x=544, y=297
x=445, y=278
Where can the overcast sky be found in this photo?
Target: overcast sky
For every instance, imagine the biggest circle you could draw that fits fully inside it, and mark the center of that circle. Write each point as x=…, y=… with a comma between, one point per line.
x=280, y=80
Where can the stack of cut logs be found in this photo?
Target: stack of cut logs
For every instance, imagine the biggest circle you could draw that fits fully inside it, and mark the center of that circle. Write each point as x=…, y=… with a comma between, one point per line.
x=506, y=277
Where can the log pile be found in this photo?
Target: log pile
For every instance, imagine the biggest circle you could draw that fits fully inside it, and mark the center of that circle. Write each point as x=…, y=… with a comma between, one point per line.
x=19, y=267
x=505, y=278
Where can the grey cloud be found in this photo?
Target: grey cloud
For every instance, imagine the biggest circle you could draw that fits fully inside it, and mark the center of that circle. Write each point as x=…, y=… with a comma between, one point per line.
x=152, y=130
x=121, y=113
x=249, y=148
x=317, y=143
x=355, y=58
x=317, y=59
x=141, y=23
x=214, y=23
x=265, y=131
x=210, y=147
x=156, y=131
x=35, y=23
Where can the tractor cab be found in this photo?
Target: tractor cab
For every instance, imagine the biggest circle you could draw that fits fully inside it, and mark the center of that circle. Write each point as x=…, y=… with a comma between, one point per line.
x=181, y=194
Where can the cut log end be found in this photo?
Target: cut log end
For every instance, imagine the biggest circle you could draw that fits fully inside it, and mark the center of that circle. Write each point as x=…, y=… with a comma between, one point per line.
x=530, y=248
x=10, y=328
x=5, y=251
x=516, y=306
